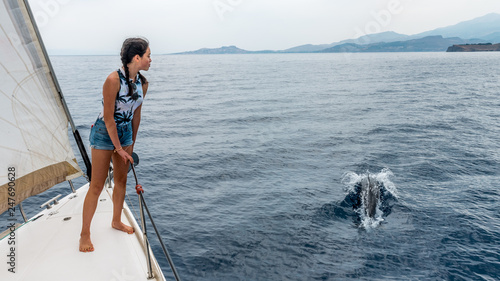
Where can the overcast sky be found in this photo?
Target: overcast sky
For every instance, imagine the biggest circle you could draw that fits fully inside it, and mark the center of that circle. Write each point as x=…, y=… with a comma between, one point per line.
x=100, y=26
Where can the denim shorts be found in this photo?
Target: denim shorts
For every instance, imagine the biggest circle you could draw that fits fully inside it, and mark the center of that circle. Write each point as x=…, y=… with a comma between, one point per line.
x=99, y=137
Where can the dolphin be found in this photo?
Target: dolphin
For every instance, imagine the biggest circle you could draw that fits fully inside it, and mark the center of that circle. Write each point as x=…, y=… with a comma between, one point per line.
x=370, y=192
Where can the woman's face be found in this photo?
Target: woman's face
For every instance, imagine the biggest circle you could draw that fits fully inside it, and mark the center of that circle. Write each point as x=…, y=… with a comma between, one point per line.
x=145, y=60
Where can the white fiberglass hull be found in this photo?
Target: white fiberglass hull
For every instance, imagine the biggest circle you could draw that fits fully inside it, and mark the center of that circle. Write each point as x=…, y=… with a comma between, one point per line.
x=47, y=247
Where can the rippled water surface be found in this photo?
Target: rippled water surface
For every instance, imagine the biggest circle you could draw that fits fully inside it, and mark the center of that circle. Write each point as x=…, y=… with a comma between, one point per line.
x=243, y=159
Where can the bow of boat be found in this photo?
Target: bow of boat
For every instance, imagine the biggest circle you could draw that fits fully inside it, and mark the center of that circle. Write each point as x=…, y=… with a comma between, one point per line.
x=46, y=247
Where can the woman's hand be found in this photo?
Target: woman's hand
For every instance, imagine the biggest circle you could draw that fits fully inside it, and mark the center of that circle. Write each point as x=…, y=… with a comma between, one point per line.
x=125, y=156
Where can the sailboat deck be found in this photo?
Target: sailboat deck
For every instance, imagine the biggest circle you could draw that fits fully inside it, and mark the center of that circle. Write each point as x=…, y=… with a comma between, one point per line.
x=47, y=248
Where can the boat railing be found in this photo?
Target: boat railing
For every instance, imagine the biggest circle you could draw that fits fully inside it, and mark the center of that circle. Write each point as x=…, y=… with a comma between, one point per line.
x=143, y=206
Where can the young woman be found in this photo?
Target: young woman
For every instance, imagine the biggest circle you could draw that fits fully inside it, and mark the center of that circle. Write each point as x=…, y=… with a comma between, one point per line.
x=113, y=134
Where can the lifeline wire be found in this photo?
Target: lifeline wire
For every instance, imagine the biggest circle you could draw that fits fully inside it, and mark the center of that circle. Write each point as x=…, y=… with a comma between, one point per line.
x=140, y=191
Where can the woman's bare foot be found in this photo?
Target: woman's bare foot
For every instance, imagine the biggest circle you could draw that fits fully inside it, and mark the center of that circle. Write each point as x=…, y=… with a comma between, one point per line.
x=123, y=227
x=86, y=244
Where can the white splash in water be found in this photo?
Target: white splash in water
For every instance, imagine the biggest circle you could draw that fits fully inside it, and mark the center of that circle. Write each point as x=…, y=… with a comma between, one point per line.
x=351, y=179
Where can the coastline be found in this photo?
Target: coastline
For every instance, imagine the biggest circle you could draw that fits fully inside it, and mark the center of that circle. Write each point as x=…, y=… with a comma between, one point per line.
x=482, y=47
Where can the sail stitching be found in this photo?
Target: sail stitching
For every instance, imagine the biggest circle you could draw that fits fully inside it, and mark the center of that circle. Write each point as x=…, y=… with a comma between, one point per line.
x=15, y=49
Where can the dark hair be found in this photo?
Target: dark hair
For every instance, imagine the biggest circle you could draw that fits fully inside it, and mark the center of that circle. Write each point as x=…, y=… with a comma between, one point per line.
x=130, y=48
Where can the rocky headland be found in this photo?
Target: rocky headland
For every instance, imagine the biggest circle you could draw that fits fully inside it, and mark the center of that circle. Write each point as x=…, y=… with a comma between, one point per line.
x=484, y=47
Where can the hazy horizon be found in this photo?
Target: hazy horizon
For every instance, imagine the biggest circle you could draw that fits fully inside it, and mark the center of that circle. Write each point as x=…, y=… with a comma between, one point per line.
x=91, y=27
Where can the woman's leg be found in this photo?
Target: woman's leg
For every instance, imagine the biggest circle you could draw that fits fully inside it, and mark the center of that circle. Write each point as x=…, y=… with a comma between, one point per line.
x=120, y=170
x=100, y=166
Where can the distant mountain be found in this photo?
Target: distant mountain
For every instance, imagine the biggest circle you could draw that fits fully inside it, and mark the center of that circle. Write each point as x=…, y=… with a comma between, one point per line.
x=492, y=38
x=388, y=36
x=485, y=29
x=481, y=27
x=309, y=48
x=426, y=44
x=221, y=50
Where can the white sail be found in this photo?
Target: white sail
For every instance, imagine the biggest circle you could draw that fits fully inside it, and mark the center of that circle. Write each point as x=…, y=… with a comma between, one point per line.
x=33, y=124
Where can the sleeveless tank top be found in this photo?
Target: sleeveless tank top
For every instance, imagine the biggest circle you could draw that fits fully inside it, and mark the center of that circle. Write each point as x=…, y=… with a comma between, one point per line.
x=126, y=105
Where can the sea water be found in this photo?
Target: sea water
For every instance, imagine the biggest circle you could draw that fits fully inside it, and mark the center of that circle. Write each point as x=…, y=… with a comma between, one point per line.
x=247, y=160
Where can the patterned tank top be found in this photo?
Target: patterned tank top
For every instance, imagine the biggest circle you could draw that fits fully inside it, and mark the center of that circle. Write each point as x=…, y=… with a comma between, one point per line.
x=126, y=105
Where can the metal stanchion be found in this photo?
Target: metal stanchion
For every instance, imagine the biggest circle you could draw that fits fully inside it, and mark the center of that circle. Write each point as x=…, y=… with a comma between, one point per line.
x=142, y=203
